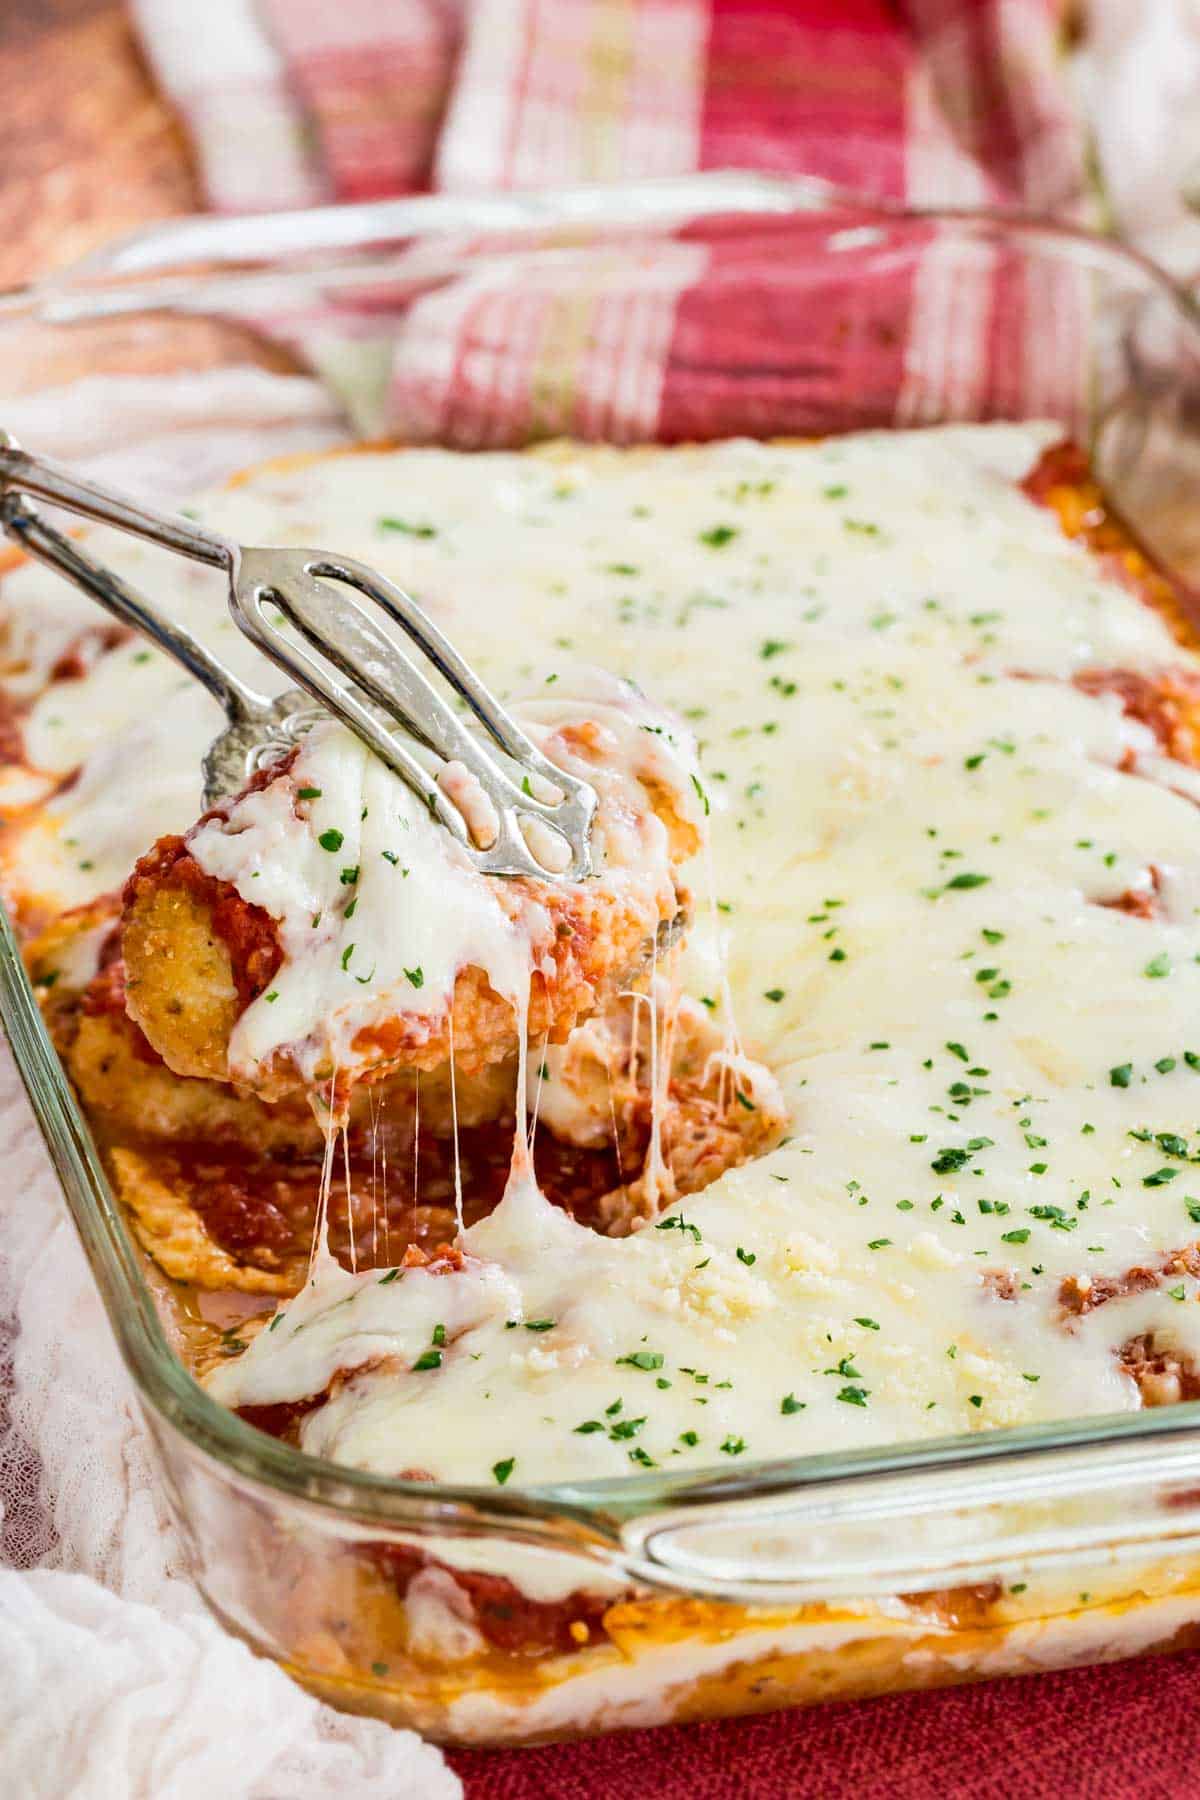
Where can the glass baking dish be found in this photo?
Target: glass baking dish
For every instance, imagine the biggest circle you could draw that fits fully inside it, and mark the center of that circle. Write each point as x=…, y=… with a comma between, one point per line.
x=657, y=1597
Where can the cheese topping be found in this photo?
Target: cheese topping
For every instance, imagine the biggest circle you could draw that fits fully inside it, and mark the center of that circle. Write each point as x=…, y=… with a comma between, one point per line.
x=922, y=834
x=379, y=908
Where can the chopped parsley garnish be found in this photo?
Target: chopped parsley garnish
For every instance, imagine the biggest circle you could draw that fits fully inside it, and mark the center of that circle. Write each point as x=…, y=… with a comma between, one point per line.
x=967, y=879
x=1121, y=1076
x=348, y=877
x=347, y=953
x=677, y=1222
x=1055, y=1216
x=946, y=1161
x=331, y=840
x=540, y=1324
x=388, y=523
x=416, y=976
x=428, y=1359
x=642, y=1359
x=733, y=1446
x=1159, y=1178
x=748, y=1257
x=717, y=536
x=775, y=994
x=1158, y=966
x=853, y=1396
x=502, y=1470
x=789, y=1404
x=309, y=793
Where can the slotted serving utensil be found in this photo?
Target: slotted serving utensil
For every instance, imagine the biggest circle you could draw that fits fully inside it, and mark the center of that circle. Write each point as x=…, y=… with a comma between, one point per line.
x=521, y=813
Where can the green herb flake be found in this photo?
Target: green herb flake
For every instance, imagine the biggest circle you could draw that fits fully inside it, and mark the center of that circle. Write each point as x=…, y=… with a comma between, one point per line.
x=405, y=528
x=967, y=879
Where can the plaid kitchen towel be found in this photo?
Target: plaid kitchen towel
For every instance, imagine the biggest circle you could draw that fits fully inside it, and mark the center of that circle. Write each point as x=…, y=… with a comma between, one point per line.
x=290, y=101
x=719, y=331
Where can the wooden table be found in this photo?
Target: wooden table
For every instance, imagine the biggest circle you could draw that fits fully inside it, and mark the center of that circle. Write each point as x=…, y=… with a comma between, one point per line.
x=88, y=148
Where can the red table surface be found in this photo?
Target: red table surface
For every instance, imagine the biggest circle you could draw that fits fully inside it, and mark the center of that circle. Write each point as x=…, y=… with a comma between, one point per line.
x=1128, y=1731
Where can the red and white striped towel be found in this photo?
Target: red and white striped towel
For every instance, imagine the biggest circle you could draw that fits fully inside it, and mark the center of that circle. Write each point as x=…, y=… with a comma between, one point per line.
x=954, y=101
x=296, y=101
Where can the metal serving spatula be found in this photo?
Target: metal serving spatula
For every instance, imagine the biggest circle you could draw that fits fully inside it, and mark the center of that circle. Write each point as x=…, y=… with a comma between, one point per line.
x=513, y=810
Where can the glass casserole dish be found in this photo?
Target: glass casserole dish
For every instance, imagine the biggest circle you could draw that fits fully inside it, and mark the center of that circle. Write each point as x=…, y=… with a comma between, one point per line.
x=660, y=1596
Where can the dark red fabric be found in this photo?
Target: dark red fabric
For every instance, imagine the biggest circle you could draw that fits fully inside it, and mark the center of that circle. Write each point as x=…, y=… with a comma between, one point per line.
x=816, y=89
x=1130, y=1731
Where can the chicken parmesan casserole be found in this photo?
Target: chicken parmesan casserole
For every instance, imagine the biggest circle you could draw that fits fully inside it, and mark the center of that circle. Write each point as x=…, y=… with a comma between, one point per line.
x=852, y=1102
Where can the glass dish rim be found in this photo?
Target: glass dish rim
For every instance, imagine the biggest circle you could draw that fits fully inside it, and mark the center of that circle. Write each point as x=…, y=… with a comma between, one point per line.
x=570, y=1514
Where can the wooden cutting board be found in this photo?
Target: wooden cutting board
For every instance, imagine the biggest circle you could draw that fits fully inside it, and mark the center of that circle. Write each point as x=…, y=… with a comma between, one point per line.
x=88, y=149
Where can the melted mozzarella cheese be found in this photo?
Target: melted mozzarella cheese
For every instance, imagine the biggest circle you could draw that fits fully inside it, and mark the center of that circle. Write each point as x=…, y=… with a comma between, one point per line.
x=419, y=913
x=917, y=822
x=378, y=908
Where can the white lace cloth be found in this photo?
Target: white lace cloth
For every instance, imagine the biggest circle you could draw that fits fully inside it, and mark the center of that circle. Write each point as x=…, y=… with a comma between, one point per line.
x=115, y=1681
